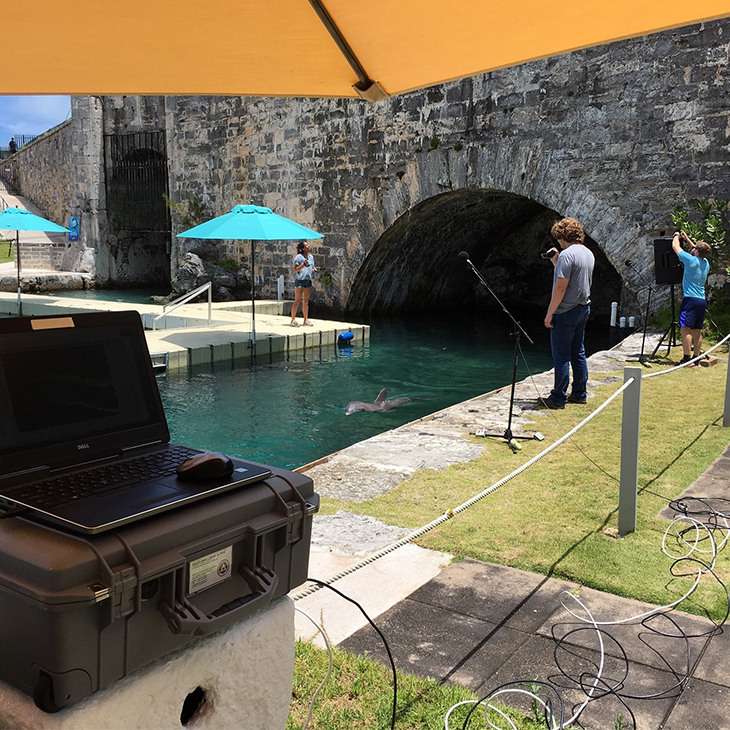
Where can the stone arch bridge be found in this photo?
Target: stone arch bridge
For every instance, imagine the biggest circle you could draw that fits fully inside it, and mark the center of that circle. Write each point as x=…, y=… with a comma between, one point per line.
x=615, y=135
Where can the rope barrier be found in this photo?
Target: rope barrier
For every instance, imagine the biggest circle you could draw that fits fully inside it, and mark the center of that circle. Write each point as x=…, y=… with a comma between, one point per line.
x=464, y=505
x=689, y=362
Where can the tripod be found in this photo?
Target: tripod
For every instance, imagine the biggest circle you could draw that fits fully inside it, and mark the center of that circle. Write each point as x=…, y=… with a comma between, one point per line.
x=508, y=436
x=643, y=358
x=670, y=331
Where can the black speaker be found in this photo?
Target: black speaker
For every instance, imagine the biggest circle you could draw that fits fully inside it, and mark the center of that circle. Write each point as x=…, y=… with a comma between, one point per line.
x=667, y=269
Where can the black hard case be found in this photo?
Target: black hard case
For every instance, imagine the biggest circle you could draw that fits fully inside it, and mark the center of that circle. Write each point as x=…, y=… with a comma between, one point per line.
x=79, y=612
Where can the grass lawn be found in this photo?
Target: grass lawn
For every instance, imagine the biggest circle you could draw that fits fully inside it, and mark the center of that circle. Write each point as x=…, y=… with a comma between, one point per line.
x=553, y=519
x=6, y=253
x=359, y=696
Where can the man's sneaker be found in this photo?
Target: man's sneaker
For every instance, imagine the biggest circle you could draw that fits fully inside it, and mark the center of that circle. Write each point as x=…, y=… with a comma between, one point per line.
x=552, y=405
x=580, y=401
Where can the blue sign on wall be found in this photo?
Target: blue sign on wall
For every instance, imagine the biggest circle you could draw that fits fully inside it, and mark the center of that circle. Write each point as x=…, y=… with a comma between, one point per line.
x=73, y=226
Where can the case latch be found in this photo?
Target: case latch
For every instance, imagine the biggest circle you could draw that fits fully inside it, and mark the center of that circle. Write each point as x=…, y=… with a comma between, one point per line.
x=124, y=593
x=295, y=520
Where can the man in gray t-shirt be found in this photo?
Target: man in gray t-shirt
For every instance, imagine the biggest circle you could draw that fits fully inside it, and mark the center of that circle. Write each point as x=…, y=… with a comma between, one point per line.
x=568, y=312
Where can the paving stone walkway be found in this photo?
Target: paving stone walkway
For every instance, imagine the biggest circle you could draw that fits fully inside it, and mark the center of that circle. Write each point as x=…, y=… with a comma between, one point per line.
x=482, y=625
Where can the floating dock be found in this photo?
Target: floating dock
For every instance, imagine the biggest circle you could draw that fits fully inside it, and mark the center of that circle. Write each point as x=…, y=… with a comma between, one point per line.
x=184, y=338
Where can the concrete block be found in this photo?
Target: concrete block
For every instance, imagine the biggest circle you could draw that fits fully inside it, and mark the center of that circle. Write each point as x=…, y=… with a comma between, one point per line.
x=178, y=359
x=200, y=356
x=245, y=673
x=240, y=350
x=220, y=352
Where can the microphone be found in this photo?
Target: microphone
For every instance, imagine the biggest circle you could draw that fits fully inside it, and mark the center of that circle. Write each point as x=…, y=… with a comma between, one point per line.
x=464, y=255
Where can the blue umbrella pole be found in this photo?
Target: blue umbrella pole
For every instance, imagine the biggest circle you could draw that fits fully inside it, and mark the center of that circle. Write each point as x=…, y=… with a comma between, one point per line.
x=253, y=306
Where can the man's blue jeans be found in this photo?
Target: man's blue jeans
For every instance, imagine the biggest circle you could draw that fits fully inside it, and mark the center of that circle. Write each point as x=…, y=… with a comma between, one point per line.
x=566, y=343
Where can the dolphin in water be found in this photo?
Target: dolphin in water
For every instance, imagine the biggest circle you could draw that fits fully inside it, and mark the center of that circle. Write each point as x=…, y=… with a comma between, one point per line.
x=381, y=404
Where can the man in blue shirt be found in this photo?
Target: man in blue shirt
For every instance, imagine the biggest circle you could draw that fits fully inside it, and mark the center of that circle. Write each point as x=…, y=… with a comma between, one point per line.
x=694, y=302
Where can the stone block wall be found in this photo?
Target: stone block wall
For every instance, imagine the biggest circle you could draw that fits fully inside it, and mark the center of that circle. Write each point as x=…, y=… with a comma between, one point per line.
x=615, y=135
x=43, y=172
x=42, y=255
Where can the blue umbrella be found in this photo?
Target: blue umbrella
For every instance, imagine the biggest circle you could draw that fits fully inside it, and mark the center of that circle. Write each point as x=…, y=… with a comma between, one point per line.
x=15, y=219
x=251, y=223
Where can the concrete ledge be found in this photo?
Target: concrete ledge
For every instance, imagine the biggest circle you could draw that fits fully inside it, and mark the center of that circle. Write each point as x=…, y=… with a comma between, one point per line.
x=245, y=672
x=33, y=283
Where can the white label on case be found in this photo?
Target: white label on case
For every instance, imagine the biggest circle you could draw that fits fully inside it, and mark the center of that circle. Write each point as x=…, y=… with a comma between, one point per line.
x=209, y=570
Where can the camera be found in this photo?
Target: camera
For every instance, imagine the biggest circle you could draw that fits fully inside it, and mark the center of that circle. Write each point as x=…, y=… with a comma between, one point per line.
x=546, y=255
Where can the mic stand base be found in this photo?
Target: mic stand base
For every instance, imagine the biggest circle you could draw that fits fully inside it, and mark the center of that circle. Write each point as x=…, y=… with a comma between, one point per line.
x=508, y=436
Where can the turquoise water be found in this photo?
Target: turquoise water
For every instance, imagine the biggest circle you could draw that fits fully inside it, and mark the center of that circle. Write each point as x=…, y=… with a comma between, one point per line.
x=292, y=411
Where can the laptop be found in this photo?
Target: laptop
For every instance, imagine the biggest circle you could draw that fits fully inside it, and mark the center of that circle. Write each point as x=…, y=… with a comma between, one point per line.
x=78, y=402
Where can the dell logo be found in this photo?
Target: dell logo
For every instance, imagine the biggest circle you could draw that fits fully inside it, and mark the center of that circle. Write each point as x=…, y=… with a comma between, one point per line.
x=81, y=447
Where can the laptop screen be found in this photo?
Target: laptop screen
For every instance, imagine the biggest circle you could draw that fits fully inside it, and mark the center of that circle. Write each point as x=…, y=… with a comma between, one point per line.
x=75, y=388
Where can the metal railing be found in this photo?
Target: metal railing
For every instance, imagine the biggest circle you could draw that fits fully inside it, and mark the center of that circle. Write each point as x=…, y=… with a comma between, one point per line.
x=184, y=299
x=20, y=141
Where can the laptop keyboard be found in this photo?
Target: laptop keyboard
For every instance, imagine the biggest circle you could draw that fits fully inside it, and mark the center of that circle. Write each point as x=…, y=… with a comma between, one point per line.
x=102, y=479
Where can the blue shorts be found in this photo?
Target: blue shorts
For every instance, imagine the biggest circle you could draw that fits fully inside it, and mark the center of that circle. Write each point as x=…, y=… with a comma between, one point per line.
x=692, y=313
x=302, y=283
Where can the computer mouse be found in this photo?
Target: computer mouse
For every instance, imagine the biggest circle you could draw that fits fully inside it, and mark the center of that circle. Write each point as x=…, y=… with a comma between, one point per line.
x=209, y=465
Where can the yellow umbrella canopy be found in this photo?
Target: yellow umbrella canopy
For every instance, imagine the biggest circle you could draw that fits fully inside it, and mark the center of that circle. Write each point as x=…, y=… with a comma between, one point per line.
x=323, y=48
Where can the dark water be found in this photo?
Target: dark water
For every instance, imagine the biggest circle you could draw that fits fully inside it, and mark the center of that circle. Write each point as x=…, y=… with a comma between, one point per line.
x=290, y=412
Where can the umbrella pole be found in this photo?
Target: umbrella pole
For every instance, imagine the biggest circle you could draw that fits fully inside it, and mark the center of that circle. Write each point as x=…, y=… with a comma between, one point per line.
x=17, y=255
x=253, y=307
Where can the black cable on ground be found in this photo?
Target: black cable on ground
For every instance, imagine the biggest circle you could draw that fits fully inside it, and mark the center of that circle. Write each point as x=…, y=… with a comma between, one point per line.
x=706, y=526
x=322, y=584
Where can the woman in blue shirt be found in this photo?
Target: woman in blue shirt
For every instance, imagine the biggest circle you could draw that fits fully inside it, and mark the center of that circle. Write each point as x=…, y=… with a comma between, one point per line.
x=694, y=301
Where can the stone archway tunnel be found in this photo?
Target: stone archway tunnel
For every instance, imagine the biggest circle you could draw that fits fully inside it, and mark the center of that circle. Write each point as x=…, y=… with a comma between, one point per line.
x=415, y=266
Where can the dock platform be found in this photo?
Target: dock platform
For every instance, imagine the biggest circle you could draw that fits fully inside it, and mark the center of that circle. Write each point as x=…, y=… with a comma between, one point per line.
x=184, y=338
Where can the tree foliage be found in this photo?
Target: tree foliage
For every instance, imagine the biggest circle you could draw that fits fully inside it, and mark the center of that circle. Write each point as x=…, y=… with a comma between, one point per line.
x=191, y=213
x=713, y=226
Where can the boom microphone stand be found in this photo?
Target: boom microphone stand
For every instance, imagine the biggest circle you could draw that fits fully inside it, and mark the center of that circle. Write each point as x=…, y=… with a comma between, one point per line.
x=508, y=436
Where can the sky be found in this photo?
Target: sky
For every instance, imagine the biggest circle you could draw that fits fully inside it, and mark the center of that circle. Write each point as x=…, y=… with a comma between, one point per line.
x=31, y=114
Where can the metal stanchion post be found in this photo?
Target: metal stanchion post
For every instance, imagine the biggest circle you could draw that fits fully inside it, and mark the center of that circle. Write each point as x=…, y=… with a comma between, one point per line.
x=629, y=481
x=726, y=412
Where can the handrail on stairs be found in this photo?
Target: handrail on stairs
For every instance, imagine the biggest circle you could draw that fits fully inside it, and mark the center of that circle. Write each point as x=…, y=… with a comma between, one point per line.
x=184, y=299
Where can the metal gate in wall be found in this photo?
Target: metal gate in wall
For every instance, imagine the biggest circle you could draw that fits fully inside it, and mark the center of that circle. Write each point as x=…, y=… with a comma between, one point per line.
x=136, y=181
